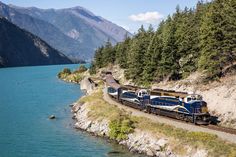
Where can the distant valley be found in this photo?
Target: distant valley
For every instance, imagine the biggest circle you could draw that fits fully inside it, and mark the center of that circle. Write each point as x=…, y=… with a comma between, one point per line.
x=76, y=32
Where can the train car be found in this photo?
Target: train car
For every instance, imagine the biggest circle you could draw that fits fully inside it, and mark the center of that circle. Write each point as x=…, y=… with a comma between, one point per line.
x=113, y=87
x=136, y=99
x=191, y=108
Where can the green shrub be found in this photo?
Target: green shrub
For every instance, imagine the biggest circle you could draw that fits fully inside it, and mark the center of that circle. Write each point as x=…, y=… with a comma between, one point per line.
x=77, y=78
x=121, y=127
x=64, y=73
x=81, y=69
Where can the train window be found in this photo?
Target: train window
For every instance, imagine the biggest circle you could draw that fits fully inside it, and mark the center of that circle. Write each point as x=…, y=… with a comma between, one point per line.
x=129, y=95
x=189, y=99
x=111, y=90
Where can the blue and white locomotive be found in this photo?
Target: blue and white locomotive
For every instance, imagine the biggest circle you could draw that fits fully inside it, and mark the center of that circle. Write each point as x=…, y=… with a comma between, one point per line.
x=179, y=105
x=190, y=108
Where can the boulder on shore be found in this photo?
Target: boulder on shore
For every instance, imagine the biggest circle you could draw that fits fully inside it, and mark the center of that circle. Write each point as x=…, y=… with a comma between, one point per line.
x=52, y=117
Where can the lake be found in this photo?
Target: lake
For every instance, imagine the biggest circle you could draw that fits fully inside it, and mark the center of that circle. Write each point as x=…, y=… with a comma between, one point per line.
x=28, y=96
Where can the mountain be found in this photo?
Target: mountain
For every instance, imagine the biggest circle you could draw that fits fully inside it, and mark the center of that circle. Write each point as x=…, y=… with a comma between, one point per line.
x=21, y=48
x=46, y=31
x=80, y=31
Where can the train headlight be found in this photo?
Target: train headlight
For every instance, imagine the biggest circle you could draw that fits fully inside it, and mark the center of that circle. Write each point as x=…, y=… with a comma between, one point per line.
x=204, y=110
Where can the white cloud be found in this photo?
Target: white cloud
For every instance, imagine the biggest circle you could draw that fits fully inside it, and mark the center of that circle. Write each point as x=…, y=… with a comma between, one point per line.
x=148, y=17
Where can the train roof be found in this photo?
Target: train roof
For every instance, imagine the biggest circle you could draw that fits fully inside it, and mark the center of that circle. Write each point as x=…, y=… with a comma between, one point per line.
x=131, y=87
x=169, y=92
x=111, y=81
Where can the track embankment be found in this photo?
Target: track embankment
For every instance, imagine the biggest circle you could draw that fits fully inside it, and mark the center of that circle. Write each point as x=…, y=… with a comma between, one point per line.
x=178, y=124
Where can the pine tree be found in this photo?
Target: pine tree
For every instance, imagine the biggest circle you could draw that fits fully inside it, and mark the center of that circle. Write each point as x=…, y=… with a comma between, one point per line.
x=121, y=52
x=108, y=54
x=98, y=58
x=191, y=39
x=152, y=56
x=229, y=30
x=212, y=38
x=169, y=58
x=137, y=52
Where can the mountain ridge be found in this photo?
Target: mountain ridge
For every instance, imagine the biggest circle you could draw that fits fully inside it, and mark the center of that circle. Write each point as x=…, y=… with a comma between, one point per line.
x=39, y=28
x=19, y=47
x=80, y=31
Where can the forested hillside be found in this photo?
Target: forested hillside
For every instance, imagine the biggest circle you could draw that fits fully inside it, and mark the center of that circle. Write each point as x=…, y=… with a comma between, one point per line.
x=202, y=39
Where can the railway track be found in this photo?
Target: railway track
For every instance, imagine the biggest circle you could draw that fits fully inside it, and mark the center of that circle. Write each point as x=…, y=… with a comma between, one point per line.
x=210, y=126
x=222, y=129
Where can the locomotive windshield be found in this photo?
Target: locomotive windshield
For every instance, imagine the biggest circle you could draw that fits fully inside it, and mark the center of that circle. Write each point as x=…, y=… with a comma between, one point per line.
x=194, y=97
x=142, y=92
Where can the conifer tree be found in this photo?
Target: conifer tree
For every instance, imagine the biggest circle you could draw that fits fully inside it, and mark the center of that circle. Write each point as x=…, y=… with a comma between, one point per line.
x=212, y=37
x=108, y=54
x=137, y=51
x=169, y=58
x=229, y=30
x=152, y=57
x=202, y=38
x=98, y=57
x=121, y=52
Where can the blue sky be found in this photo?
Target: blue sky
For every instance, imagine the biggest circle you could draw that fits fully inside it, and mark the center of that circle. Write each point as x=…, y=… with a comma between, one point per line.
x=130, y=14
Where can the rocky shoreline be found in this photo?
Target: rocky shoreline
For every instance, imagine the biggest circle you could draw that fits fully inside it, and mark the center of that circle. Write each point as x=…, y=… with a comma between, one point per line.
x=139, y=141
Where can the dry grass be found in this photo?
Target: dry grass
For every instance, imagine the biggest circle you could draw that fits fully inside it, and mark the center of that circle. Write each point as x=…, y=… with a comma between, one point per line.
x=210, y=142
x=120, y=123
x=99, y=109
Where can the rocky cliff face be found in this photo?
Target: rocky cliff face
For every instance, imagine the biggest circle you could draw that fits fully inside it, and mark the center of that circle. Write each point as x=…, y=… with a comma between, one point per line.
x=86, y=85
x=21, y=48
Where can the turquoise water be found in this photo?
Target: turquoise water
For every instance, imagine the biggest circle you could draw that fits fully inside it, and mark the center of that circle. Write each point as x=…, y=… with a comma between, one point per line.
x=28, y=95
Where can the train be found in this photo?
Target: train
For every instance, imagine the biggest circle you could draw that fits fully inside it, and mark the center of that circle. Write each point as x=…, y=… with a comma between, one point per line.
x=184, y=106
